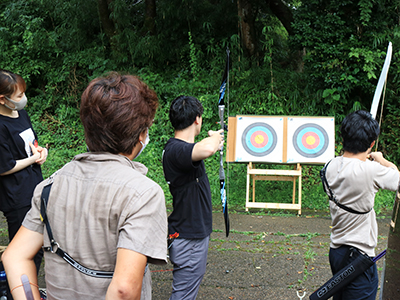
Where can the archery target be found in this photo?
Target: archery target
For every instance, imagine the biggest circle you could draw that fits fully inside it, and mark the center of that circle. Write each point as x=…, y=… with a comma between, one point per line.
x=311, y=139
x=259, y=139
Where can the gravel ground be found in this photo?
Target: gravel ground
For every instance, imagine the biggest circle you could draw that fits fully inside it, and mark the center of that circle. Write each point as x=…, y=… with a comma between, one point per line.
x=264, y=257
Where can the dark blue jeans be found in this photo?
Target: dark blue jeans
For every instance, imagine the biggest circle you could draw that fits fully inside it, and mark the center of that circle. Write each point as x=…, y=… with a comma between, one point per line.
x=364, y=287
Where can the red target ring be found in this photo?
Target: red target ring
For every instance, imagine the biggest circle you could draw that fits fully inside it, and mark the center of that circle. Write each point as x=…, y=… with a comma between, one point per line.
x=259, y=139
x=310, y=140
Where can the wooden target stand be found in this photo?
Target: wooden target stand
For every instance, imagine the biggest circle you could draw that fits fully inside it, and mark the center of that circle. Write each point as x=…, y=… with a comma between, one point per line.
x=254, y=174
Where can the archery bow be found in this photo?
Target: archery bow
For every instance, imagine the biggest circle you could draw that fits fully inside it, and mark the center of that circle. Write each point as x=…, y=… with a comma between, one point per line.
x=221, y=110
x=381, y=82
x=381, y=87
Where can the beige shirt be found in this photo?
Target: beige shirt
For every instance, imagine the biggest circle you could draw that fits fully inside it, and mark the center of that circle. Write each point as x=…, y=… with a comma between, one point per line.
x=355, y=183
x=99, y=203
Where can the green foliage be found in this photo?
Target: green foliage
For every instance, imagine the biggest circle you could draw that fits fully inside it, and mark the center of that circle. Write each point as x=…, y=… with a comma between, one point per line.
x=63, y=135
x=389, y=139
x=384, y=201
x=345, y=47
x=193, y=56
x=365, y=11
x=58, y=46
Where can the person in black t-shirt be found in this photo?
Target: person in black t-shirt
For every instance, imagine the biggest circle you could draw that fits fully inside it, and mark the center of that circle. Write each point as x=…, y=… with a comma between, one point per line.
x=20, y=155
x=186, y=176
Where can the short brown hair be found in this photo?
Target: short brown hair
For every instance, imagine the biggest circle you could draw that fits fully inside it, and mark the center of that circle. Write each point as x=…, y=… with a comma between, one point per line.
x=9, y=83
x=115, y=110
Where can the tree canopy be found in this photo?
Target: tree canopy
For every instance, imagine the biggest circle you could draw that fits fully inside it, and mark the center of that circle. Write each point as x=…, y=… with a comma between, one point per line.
x=314, y=57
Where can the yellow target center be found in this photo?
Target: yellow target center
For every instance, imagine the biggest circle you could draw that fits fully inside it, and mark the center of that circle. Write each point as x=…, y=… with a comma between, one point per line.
x=259, y=139
x=310, y=140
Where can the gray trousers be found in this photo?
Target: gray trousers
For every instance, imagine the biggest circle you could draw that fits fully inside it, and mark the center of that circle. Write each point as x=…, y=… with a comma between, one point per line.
x=189, y=257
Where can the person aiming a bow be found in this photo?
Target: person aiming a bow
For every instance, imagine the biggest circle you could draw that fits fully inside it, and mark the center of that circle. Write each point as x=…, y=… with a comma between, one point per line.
x=103, y=210
x=355, y=178
x=186, y=176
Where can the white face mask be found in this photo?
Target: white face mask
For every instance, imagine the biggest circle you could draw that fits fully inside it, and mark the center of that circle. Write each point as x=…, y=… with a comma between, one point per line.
x=143, y=145
x=17, y=105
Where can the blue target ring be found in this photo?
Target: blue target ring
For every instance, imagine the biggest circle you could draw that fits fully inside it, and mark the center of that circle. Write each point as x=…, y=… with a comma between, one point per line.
x=310, y=140
x=259, y=139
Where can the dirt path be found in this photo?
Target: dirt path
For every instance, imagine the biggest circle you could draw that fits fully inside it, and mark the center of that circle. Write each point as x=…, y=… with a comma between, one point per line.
x=265, y=257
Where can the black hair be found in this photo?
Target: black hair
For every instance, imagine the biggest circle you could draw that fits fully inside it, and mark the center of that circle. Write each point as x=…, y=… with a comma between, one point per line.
x=358, y=131
x=183, y=111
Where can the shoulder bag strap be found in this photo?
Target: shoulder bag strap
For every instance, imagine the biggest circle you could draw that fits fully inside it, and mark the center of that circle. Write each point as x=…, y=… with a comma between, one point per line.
x=55, y=248
x=332, y=196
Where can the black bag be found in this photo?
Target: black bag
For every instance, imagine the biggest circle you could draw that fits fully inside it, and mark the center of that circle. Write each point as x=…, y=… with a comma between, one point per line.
x=346, y=275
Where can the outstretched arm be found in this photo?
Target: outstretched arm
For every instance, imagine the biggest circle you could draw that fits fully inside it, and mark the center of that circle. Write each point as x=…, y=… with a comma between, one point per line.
x=18, y=260
x=128, y=276
x=208, y=146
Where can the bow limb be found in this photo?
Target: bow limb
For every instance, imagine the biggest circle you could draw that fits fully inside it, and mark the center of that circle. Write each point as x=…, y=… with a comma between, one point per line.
x=224, y=201
x=221, y=112
x=381, y=82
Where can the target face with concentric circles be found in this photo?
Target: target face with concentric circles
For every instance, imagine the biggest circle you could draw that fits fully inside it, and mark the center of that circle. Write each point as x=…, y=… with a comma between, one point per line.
x=310, y=140
x=259, y=139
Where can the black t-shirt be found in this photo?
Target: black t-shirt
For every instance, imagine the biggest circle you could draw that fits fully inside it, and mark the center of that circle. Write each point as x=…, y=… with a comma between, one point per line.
x=190, y=189
x=16, y=189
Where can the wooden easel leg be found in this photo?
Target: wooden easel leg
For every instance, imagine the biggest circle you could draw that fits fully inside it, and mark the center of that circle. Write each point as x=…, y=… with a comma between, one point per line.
x=247, y=187
x=254, y=187
x=299, y=168
x=294, y=189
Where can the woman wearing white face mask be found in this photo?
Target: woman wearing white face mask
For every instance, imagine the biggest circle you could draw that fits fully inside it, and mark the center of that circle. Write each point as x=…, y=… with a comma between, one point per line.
x=20, y=155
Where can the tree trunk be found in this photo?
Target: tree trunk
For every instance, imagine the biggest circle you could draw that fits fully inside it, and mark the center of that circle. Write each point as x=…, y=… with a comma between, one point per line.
x=247, y=31
x=149, y=19
x=107, y=23
x=283, y=13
